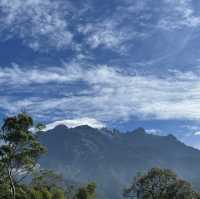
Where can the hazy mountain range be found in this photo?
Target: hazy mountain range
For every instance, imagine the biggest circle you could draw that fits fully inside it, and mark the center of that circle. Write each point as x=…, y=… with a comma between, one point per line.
x=112, y=158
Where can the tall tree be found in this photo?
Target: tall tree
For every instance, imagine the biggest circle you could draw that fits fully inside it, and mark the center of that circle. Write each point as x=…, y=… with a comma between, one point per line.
x=20, y=149
x=48, y=179
x=88, y=192
x=160, y=184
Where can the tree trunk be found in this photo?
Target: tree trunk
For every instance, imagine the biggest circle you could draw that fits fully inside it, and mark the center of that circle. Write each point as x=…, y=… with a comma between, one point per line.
x=13, y=191
x=12, y=185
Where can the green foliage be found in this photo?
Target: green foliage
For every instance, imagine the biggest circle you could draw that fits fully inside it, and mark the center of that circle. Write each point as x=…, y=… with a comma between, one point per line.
x=160, y=184
x=50, y=182
x=26, y=192
x=18, y=158
x=20, y=149
x=58, y=193
x=41, y=193
x=21, y=192
x=46, y=194
x=35, y=194
x=88, y=192
x=4, y=191
x=47, y=178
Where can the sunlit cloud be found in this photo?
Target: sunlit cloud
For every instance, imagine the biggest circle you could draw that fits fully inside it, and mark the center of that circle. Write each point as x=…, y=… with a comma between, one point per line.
x=72, y=123
x=111, y=94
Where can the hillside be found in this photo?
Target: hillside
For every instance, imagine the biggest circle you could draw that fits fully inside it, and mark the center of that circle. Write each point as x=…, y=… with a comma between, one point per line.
x=112, y=158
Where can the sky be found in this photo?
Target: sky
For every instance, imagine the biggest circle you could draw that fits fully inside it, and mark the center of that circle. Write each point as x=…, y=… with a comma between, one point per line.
x=120, y=63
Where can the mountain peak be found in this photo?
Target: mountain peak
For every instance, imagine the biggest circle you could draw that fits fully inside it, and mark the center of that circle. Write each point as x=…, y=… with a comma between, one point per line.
x=139, y=131
x=89, y=154
x=85, y=126
x=60, y=127
x=72, y=123
x=171, y=137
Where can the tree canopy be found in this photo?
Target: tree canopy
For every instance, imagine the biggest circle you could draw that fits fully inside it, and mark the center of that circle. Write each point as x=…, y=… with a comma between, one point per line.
x=20, y=149
x=19, y=154
x=160, y=184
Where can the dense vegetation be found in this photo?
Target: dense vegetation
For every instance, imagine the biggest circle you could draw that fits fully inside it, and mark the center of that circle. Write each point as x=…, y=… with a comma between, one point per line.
x=22, y=178
x=160, y=184
x=111, y=158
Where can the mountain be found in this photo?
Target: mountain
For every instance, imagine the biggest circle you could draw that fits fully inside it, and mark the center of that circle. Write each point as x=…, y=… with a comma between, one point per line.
x=111, y=158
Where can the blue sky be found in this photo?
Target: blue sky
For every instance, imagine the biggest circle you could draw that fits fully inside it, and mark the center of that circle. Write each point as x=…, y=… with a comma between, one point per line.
x=125, y=63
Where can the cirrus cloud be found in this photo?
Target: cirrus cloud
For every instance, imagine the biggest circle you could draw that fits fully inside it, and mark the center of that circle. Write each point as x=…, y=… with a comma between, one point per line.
x=41, y=24
x=109, y=94
x=179, y=14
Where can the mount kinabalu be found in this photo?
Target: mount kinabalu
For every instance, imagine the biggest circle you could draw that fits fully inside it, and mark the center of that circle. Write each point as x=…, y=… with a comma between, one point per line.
x=111, y=158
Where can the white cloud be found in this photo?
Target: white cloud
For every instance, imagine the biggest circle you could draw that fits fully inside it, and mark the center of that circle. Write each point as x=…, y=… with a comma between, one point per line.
x=75, y=122
x=44, y=24
x=191, y=128
x=191, y=140
x=197, y=133
x=40, y=23
x=153, y=131
x=110, y=94
x=103, y=34
x=179, y=14
x=192, y=137
x=114, y=32
x=17, y=76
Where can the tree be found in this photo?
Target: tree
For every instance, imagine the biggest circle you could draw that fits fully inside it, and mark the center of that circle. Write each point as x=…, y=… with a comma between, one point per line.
x=20, y=149
x=47, y=178
x=51, y=181
x=57, y=193
x=160, y=184
x=39, y=193
x=4, y=191
x=88, y=192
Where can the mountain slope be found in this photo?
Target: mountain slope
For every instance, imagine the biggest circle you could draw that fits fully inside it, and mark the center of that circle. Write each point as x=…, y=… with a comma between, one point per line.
x=113, y=158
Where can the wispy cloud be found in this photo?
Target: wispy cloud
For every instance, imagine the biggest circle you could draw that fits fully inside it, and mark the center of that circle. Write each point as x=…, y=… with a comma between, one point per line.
x=110, y=94
x=114, y=47
x=179, y=14
x=191, y=139
x=108, y=34
x=44, y=25
x=17, y=76
x=118, y=30
x=39, y=23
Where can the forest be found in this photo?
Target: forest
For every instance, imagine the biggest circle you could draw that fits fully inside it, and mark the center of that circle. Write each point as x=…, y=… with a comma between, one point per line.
x=21, y=176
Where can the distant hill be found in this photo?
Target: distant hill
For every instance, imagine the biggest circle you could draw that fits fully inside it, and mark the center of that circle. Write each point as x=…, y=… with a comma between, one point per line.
x=112, y=158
